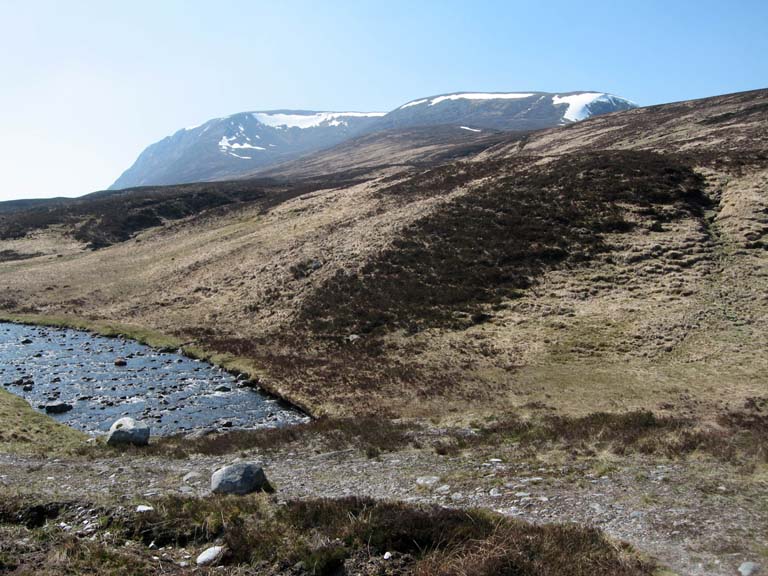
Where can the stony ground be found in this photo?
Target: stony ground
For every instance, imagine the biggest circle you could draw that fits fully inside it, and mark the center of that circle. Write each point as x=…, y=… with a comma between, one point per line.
x=695, y=515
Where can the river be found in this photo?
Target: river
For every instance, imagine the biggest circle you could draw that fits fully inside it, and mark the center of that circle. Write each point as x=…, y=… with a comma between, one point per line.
x=168, y=391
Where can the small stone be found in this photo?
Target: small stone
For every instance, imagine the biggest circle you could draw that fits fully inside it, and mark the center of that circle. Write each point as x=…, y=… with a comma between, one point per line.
x=387, y=555
x=427, y=480
x=192, y=476
x=142, y=508
x=749, y=569
x=121, y=362
x=210, y=556
x=222, y=389
x=201, y=433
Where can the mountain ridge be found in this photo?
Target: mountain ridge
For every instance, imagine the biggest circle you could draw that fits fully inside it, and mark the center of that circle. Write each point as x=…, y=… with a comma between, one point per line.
x=246, y=142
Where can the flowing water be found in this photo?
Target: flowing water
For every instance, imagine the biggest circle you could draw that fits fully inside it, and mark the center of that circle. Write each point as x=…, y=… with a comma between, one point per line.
x=170, y=392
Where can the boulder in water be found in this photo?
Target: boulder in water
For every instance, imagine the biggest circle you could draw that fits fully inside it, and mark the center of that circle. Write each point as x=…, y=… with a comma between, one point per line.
x=57, y=407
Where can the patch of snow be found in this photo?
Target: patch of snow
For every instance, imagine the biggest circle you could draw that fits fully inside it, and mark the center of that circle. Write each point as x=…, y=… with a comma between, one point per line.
x=480, y=96
x=578, y=104
x=238, y=156
x=470, y=129
x=311, y=120
x=226, y=143
x=414, y=103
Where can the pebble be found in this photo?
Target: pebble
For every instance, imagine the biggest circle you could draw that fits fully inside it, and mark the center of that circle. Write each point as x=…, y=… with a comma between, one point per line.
x=749, y=569
x=427, y=480
x=192, y=476
x=210, y=556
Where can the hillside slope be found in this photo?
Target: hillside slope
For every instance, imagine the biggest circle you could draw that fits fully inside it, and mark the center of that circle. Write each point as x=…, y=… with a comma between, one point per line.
x=613, y=264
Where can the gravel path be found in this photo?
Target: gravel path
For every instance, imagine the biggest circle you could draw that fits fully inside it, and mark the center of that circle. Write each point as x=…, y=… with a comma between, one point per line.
x=698, y=518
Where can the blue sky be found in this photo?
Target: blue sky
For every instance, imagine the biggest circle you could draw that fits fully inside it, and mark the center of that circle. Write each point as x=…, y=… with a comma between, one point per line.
x=87, y=85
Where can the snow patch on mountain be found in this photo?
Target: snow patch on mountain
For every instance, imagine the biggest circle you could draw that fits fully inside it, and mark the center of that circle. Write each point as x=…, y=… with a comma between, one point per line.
x=228, y=143
x=578, y=104
x=414, y=103
x=311, y=120
x=468, y=96
x=480, y=96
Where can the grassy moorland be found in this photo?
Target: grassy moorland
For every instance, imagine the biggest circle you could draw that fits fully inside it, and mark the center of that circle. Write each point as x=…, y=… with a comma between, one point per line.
x=614, y=265
x=584, y=304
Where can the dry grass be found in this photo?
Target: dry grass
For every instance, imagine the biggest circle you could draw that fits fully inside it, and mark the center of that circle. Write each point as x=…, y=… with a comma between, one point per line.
x=370, y=435
x=738, y=437
x=326, y=536
x=26, y=431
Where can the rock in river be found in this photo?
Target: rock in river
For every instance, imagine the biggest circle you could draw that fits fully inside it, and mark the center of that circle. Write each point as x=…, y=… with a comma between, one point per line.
x=128, y=431
x=240, y=478
x=57, y=407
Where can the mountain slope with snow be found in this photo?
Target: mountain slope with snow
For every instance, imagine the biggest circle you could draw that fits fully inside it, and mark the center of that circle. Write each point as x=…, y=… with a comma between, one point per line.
x=245, y=143
x=229, y=147
x=504, y=110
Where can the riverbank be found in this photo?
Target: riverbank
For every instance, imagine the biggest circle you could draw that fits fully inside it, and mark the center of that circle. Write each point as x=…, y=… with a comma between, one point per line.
x=23, y=430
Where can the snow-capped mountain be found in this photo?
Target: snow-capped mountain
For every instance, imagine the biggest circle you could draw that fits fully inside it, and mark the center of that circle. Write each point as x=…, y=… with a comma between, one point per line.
x=239, y=144
x=244, y=143
x=505, y=111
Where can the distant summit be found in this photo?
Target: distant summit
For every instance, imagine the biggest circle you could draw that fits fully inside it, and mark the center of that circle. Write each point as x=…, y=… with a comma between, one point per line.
x=241, y=144
x=505, y=111
x=228, y=147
